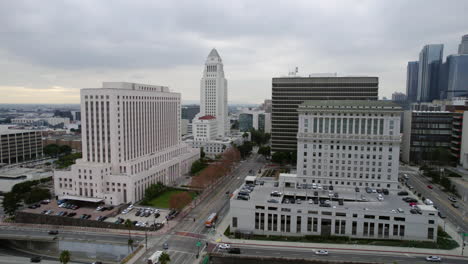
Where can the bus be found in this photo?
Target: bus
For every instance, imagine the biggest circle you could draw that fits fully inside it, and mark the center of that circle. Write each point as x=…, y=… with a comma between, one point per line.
x=154, y=259
x=211, y=220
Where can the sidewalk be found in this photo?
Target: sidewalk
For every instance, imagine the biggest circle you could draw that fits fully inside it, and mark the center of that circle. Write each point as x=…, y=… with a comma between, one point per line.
x=219, y=237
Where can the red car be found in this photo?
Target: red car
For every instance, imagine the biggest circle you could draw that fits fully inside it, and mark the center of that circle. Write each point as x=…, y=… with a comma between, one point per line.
x=429, y=186
x=413, y=204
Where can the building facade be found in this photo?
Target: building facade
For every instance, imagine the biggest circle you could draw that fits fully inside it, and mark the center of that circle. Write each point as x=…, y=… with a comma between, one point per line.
x=412, y=80
x=463, y=46
x=190, y=111
x=130, y=140
x=289, y=92
x=430, y=61
x=18, y=145
x=349, y=143
x=398, y=97
x=213, y=93
x=456, y=68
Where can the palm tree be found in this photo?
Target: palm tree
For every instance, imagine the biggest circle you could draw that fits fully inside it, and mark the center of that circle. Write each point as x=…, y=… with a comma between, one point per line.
x=164, y=258
x=128, y=224
x=65, y=257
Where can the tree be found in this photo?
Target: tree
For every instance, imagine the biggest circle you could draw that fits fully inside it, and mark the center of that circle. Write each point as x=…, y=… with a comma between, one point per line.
x=37, y=194
x=180, y=200
x=197, y=166
x=11, y=202
x=164, y=258
x=279, y=157
x=202, y=153
x=65, y=256
x=245, y=135
x=446, y=183
x=265, y=151
x=52, y=150
x=65, y=149
x=128, y=224
x=153, y=191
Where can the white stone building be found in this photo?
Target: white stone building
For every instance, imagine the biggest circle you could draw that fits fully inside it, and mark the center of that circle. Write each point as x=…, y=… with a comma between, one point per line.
x=205, y=128
x=42, y=121
x=131, y=139
x=349, y=143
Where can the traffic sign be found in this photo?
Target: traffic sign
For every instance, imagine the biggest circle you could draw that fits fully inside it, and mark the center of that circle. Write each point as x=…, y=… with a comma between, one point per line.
x=464, y=234
x=199, y=244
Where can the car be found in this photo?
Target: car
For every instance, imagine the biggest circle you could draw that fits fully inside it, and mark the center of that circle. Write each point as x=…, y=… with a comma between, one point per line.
x=380, y=198
x=385, y=191
x=356, y=189
x=414, y=211
x=36, y=259
x=410, y=187
x=273, y=201
x=434, y=258
x=166, y=246
x=53, y=232
x=242, y=197
x=455, y=205
x=330, y=187
x=72, y=214
x=325, y=205
x=234, y=251
x=321, y=252
x=452, y=199
x=298, y=201
x=430, y=187
x=368, y=190
x=413, y=204
x=335, y=195
x=275, y=193
x=374, y=191
x=45, y=201
x=44, y=212
x=97, y=262
x=156, y=215
x=441, y=215
x=224, y=246
x=100, y=208
x=379, y=190
x=315, y=193
x=402, y=193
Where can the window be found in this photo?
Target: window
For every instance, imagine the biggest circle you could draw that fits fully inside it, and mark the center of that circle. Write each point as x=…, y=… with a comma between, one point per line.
x=430, y=233
x=234, y=222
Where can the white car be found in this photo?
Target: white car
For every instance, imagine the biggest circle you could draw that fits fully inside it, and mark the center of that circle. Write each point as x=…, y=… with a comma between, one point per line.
x=434, y=259
x=224, y=246
x=311, y=201
x=321, y=252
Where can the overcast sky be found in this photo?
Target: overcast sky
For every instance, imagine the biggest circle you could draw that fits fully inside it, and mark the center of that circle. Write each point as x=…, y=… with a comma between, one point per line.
x=51, y=49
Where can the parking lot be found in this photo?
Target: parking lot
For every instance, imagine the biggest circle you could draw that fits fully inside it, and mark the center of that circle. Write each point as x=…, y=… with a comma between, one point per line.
x=74, y=210
x=146, y=216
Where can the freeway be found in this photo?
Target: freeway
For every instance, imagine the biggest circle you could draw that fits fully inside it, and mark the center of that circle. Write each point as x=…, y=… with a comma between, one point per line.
x=454, y=215
x=335, y=255
x=12, y=256
x=191, y=229
x=27, y=233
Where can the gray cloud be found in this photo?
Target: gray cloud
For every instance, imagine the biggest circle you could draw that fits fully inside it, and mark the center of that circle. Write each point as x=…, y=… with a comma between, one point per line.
x=83, y=42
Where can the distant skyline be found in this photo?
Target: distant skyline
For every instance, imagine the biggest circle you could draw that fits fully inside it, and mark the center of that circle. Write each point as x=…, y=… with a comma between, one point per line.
x=48, y=56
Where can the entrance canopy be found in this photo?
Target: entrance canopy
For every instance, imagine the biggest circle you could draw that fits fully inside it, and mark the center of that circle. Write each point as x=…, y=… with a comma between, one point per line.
x=83, y=199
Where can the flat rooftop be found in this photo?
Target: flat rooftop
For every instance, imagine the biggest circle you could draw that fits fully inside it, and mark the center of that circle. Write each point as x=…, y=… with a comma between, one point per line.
x=12, y=129
x=311, y=198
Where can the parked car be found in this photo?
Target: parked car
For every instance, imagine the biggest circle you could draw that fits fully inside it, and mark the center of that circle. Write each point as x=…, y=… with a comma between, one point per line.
x=434, y=258
x=242, y=197
x=441, y=215
x=452, y=199
x=166, y=246
x=385, y=191
x=455, y=205
x=45, y=201
x=402, y=193
x=321, y=252
x=273, y=201
x=430, y=187
x=72, y=214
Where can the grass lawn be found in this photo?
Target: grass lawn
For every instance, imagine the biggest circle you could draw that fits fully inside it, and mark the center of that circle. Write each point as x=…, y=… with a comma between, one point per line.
x=162, y=201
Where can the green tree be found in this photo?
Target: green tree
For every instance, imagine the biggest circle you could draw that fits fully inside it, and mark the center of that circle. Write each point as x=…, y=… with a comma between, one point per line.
x=153, y=191
x=245, y=149
x=446, y=183
x=65, y=256
x=197, y=166
x=11, y=202
x=202, y=153
x=51, y=150
x=37, y=194
x=245, y=135
x=128, y=224
x=279, y=157
x=65, y=150
x=164, y=258
x=265, y=151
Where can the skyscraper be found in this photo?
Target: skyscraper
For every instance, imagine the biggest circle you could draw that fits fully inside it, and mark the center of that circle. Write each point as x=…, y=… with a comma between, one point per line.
x=430, y=60
x=463, y=47
x=457, y=76
x=412, y=80
x=289, y=92
x=213, y=93
x=131, y=139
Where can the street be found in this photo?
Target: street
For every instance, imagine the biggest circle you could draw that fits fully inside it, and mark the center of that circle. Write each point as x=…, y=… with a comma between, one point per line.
x=184, y=236
x=454, y=215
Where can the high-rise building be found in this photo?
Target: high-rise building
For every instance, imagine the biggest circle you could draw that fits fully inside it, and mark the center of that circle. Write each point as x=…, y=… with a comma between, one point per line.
x=456, y=68
x=463, y=46
x=190, y=111
x=364, y=135
x=430, y=60
x=18, y=145
x=412, y=80
x=213, y=93
x=289, y=92
x=398, y=97
x=131, y=139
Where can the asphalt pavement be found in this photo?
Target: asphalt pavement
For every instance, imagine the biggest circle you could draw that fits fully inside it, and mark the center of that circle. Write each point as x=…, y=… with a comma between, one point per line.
x=456, y=216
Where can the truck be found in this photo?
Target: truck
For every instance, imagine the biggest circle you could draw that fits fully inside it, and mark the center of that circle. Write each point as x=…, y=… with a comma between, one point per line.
x=154, y=259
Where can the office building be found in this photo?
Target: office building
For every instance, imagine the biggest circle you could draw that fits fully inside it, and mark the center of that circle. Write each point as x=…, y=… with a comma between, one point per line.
x=463, y=46
x=289, y=92
x=190, y=111
x=430, y=60
x=412, y=71
x=349, y=143
x=346, y=150
x=18, y=145
x=213, y=93
x=130, y=140
x=456, y=68
x=42, y=121
x=398, y=97
x=254, y=119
